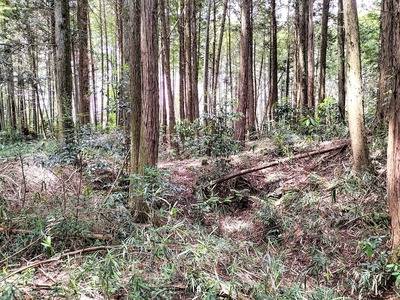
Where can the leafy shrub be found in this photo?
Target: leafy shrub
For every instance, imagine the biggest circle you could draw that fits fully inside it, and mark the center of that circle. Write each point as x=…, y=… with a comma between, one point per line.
x=209, y=136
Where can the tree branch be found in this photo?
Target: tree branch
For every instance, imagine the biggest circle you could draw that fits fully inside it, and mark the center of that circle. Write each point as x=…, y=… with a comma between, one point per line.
x=341, y=145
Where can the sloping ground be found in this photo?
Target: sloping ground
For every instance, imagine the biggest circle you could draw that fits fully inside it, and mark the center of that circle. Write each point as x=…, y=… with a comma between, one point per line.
x=301, y=229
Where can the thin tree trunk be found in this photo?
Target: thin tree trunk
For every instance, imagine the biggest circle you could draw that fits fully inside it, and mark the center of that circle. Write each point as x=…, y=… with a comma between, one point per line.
x=83, y=62
x=251, y=112
x=103, y=77
x=107, y=65
x=287, y=81
x=195, y=60
x=182, y=62
x=75, y=81
x=310, y=54
x=273, y=83
x=354, y=88
x=11, y=90
x=21, y=101
x=93, y=76
x=189, y=61
x=341, y=63
x=218, y=53
x=167, y=68
x=206, y=58
x=385, y=61
x=324, y=46
x=302, y=54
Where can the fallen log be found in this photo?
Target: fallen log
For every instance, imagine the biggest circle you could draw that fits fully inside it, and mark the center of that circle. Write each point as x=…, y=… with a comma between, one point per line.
x=341, y=145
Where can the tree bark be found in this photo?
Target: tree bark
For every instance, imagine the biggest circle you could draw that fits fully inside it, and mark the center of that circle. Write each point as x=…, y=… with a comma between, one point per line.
x=64, y=71
x=83, y=62
x=135, y=77
x=310, y=55
x=11, y=107
x=273, y=84
x=251, y=110
x=393, y=151
x=218, y=54
x=182, y=62
x=324, y=46
x=148, y=155
x=385, y=61
x=341, y=63
x=354, y=88
x=93, y=77
x=195, y=60
x=188, y=61
x=302, y=43
x=244, y=71
x=206, y=59
x=103, y=75
x=167, y=68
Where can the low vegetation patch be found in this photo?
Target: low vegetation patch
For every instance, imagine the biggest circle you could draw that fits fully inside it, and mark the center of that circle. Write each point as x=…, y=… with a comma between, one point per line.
x=304, y=228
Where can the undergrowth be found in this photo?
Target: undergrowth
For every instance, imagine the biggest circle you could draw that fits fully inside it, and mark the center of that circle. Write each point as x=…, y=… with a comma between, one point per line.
x=322, y=237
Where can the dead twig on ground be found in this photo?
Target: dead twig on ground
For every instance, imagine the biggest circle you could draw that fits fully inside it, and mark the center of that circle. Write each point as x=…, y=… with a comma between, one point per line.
x=95, y=236
x=58, y=259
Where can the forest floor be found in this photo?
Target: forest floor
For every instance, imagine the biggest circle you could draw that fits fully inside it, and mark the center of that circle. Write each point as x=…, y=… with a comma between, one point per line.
x=301, y=227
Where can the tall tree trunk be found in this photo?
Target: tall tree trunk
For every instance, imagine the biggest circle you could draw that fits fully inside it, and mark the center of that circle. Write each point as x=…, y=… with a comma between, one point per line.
x=138, y=206
x=393, y=151
x=218, y=54
x=288, y=56
x=189, y=61
x=385, y=60
x=182, y=62
x=75, y=81
x=244, y=70
x=273, y=84
x=64, y=72
x=310, y=55
x=2, y=111
x=135, y=76
x=11, y=107
x=103, y=76
x=36, y=110
x=167, y=68
x=324, y=46
x=148, y=155
x=83, y=62
x=107, y=64
x=206, y=59
x=195, y=60
x=341, y=63
x=213, y=109
x=251, y=110
x=21, y=101
x=354, y=88
x=93, y=77
x=302, y=44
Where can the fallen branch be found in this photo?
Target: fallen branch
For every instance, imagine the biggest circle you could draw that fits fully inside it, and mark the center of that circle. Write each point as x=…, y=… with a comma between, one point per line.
x=94, y=236
x=343, y=144
x=58, y=259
